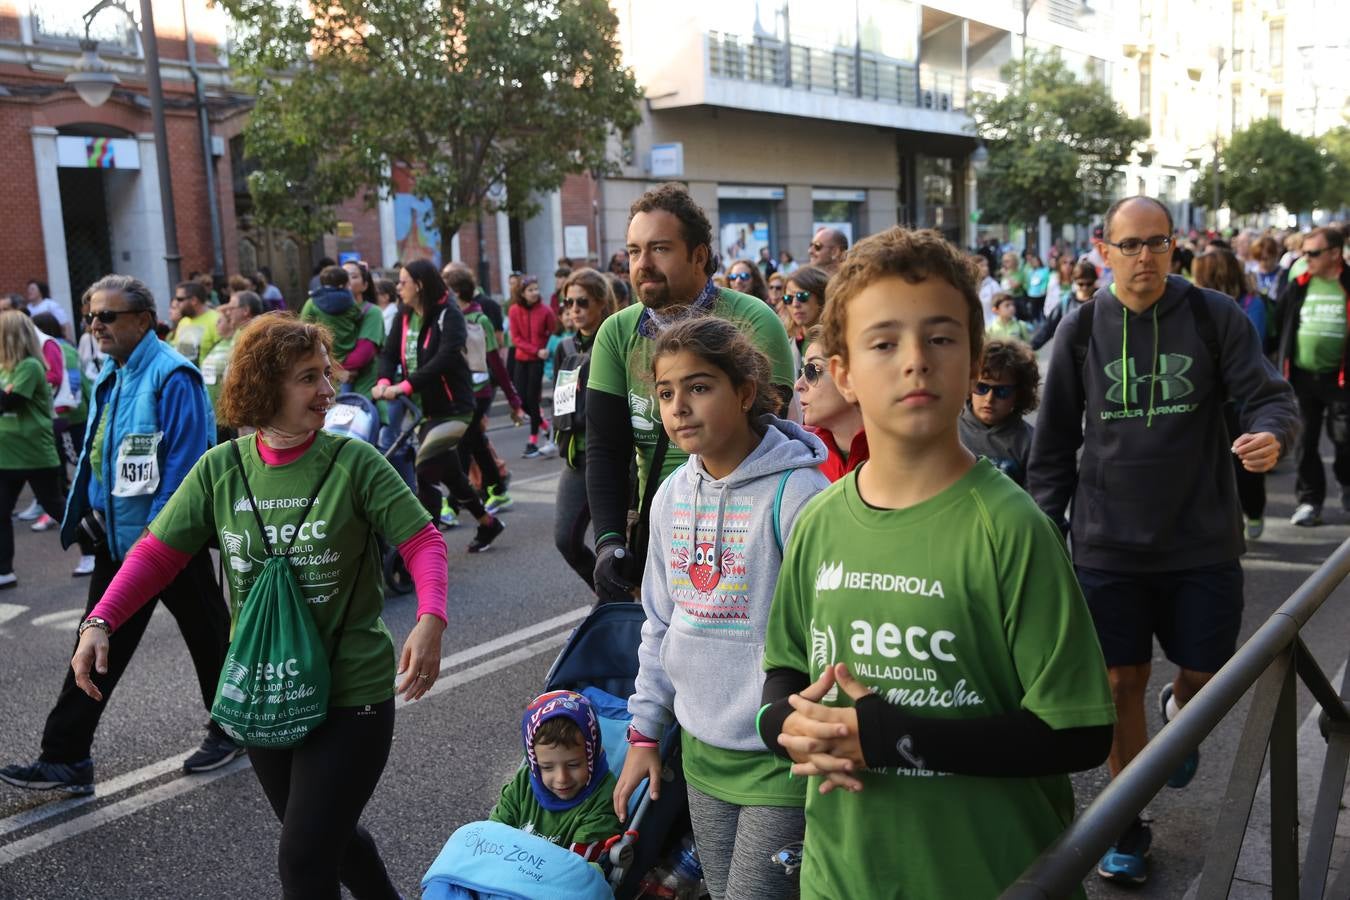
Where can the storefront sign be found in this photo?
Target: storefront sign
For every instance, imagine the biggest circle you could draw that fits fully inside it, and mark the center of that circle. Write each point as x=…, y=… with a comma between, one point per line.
x=84, y=152
x=668, y=160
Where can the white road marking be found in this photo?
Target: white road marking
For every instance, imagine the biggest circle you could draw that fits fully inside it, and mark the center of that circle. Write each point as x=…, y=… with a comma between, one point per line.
x=57, y=833
x=61, y=619
x=11, y=610
x=1278, y=565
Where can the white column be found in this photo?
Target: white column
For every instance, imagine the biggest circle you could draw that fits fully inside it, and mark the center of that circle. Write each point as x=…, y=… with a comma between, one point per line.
x=156, y=276
x=503, y=250
x=454, y=249
x=555, y=220
x=388, y=243
x=49, y=209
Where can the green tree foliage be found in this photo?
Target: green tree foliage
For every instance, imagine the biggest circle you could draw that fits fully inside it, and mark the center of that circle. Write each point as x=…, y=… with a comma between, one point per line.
x=1262, y=167
x=475, y=95
x=1334, y=147
x=1055, y=142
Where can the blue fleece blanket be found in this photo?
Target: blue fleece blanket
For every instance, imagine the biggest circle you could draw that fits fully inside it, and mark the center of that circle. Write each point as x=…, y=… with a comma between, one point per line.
x=492, y=861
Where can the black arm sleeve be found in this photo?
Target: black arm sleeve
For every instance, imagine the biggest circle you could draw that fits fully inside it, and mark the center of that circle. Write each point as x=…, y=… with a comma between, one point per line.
x=391, y=352
x=609, y=452
x=11, y=401
x=779, y=684
x=1013, y=745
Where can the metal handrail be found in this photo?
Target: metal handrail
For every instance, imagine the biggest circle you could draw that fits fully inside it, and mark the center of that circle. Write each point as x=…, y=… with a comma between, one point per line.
x=1269, y=660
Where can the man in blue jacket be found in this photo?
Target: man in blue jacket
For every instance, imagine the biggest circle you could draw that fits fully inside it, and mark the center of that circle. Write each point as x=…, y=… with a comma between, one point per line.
x=150, y=421
x=1138, y=378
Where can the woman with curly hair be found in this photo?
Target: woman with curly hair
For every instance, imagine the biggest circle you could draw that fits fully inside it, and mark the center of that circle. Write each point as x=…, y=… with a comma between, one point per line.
x=317, y=499
x=1007, y=389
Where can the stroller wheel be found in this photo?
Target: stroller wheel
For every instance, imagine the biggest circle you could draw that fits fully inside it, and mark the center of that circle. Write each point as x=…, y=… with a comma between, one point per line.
x=396, y=575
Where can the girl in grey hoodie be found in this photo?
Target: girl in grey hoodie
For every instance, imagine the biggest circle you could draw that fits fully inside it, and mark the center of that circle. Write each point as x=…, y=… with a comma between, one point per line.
x=718, y=526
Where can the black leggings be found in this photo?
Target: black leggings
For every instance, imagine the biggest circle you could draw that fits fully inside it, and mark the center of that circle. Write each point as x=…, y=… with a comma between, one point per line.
x=444, y=468
x=46, y=485
x=529, y=382
x=318, y=791
x=474, y=447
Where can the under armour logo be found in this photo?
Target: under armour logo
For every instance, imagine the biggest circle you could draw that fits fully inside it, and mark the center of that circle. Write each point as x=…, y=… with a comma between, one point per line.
x=1169, y=383
x=905, y=747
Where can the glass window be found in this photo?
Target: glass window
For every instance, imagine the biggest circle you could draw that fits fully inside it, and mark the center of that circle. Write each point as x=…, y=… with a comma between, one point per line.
x=1276, y=44
x=841, y=214
x=63, y=23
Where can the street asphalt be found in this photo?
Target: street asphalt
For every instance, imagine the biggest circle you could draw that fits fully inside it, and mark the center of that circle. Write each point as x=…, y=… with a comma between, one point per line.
x=151, y=832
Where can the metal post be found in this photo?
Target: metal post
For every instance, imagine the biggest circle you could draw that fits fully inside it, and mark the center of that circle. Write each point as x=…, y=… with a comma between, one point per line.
x=1026, y=14
x=172, y=259
x=208, y=161
x=1284, y=790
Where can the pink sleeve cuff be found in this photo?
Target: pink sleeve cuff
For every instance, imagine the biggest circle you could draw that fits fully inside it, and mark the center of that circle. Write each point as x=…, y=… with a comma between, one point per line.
x=382, y=382
x=428, y=563
x=404, y=386
x=148, y=569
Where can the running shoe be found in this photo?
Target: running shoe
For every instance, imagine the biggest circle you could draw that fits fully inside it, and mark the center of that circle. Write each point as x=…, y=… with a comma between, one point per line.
x=85, y=567
x=216, y=750
x=8, y=580
x=498, y=500
x=449, y=516
x=1306, y=515
x=548, y=449
x=1255, y=527
x=72, y=778
x=486, y=534
x=1127, y=861
x=31, y=513
x=1186, y=771
x=44, y=523
x=531, y=452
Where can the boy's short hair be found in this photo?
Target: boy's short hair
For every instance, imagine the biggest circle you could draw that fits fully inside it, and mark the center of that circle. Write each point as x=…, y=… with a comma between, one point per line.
x=914, y=256
x=559, y=731
x=334, y=277
x=1017, y=361
x=1000, y=298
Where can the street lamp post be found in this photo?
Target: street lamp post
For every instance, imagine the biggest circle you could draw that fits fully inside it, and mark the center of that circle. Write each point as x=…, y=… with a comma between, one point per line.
x=94, y=82
x=1219, y=58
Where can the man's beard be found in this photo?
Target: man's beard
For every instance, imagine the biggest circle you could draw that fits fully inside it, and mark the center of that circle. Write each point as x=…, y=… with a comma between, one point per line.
x=661, y=295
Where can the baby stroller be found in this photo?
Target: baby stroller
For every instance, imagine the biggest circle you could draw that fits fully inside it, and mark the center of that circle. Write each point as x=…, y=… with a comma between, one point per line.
x=357, y=416
x=600, y=660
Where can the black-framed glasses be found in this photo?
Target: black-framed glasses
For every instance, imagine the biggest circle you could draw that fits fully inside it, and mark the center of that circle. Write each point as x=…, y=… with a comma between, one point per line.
x=1159, y=243
x=578, y=302
x=795, y=297
x=811, y=372
x=739, y=276
x=1001, y=391
x=108, y=316
x=1313, y=254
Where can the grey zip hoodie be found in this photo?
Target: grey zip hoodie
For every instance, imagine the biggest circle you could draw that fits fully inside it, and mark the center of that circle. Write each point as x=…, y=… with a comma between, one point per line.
x=711, y=571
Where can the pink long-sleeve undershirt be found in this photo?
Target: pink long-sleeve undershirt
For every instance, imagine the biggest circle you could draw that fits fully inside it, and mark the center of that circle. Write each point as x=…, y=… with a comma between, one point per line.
x=361, y=354
x=56, y=363
x=152, y=564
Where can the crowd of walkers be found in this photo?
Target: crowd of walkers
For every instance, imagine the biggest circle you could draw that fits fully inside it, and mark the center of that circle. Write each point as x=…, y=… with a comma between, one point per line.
x=785, y=464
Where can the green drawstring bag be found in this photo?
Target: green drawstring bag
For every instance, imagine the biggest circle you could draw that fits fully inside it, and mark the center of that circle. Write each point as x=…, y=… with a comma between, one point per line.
x=273, y=688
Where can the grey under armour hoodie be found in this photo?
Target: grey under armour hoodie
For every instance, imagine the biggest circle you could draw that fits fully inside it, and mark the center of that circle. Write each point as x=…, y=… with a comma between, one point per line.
x=711, y=570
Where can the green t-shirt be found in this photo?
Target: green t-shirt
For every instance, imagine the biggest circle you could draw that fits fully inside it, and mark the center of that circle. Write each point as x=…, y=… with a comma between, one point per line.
x=26, y=440
x=214, y=366
x=591, y=820
x=362, y=320
x=742, y=777
x=1321, y=327
x=1015, y=329
x=621, y=365
x=196, y=335
x=964, y=605
x=333, y=555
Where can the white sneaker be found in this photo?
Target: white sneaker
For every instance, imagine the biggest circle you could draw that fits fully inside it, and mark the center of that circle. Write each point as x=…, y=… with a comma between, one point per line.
x=8, y=581
x=31, y=513
x=548, y=449
x=44, y=523
x=86, y=567
x=1306, y=515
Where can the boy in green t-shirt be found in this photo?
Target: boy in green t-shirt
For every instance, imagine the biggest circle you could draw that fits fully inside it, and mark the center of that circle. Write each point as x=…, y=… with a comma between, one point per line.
x=935, y=609
x=565, y=793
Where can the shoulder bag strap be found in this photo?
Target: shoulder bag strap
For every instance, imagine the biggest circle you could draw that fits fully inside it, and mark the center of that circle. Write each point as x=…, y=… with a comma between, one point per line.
x=252, y=501
x=778, y=510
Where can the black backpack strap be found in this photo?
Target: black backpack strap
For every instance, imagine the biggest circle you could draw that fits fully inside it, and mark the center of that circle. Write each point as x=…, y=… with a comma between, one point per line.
x=1204, y=323
x=1082, y=336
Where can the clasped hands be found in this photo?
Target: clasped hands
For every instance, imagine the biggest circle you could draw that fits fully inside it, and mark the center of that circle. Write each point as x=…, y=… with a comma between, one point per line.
x=823, y=740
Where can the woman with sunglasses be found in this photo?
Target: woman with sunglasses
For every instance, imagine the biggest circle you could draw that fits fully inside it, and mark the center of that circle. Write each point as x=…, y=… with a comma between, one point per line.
x=775, y=284
x=586, y=294
x=1084, y=281
x=825, y=412
x=745, y=276
x=803, y=302
x=991, y=423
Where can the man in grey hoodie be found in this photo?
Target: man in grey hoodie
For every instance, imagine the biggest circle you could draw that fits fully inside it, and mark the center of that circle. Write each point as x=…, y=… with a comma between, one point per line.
x=1155, y=522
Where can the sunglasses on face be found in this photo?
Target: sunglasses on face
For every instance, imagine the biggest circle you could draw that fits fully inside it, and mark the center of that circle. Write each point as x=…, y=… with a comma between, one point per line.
x=1001, y=391
x=1313, y=254
x=1085, y=285
x=795, y=297
x=1159, y=243
x=811, y=372
x=180, y=299
x=108, y=316
x=739, y=276
x=578, y=302
x=817, y=247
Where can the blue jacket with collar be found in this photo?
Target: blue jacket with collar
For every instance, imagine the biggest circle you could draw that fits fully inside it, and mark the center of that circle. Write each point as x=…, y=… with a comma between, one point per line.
x=152, y=409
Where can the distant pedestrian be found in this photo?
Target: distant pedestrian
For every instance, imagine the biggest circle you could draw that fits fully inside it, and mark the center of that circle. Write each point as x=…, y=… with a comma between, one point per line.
x=766, y=264
x=39, y=300
x=532, y=323
x=271, y=295
x=828, y=246
x=744, y=276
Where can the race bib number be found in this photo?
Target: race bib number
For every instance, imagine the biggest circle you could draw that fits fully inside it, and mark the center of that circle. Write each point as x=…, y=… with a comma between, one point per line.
x=210, y=371
x=137, y=471
x=341, y=414
x=565, y=392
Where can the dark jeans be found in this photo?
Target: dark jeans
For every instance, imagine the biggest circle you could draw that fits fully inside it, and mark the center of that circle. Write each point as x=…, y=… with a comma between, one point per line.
x=572, y=518
x=46, y=485
x=1251, y=486
x=1319, y=397
x=529, y=382
x=445, y=469
x=474, y=447
x=195, y=601
x=318, y=791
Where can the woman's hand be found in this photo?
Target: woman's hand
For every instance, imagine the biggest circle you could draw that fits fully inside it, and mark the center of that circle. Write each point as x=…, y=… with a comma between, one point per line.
x=518, y=416
x=640, y=763
x=90, y=654
x=420, y=661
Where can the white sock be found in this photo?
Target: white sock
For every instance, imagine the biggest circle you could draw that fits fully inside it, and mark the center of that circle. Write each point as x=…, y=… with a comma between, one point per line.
x=1172, y=708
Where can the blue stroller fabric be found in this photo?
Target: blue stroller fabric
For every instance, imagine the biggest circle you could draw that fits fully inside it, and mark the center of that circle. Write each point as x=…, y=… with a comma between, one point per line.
x=492, y=861
x=353, y=415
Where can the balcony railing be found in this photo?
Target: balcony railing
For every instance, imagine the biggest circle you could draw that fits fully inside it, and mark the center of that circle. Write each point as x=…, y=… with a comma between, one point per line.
x=841, y=72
